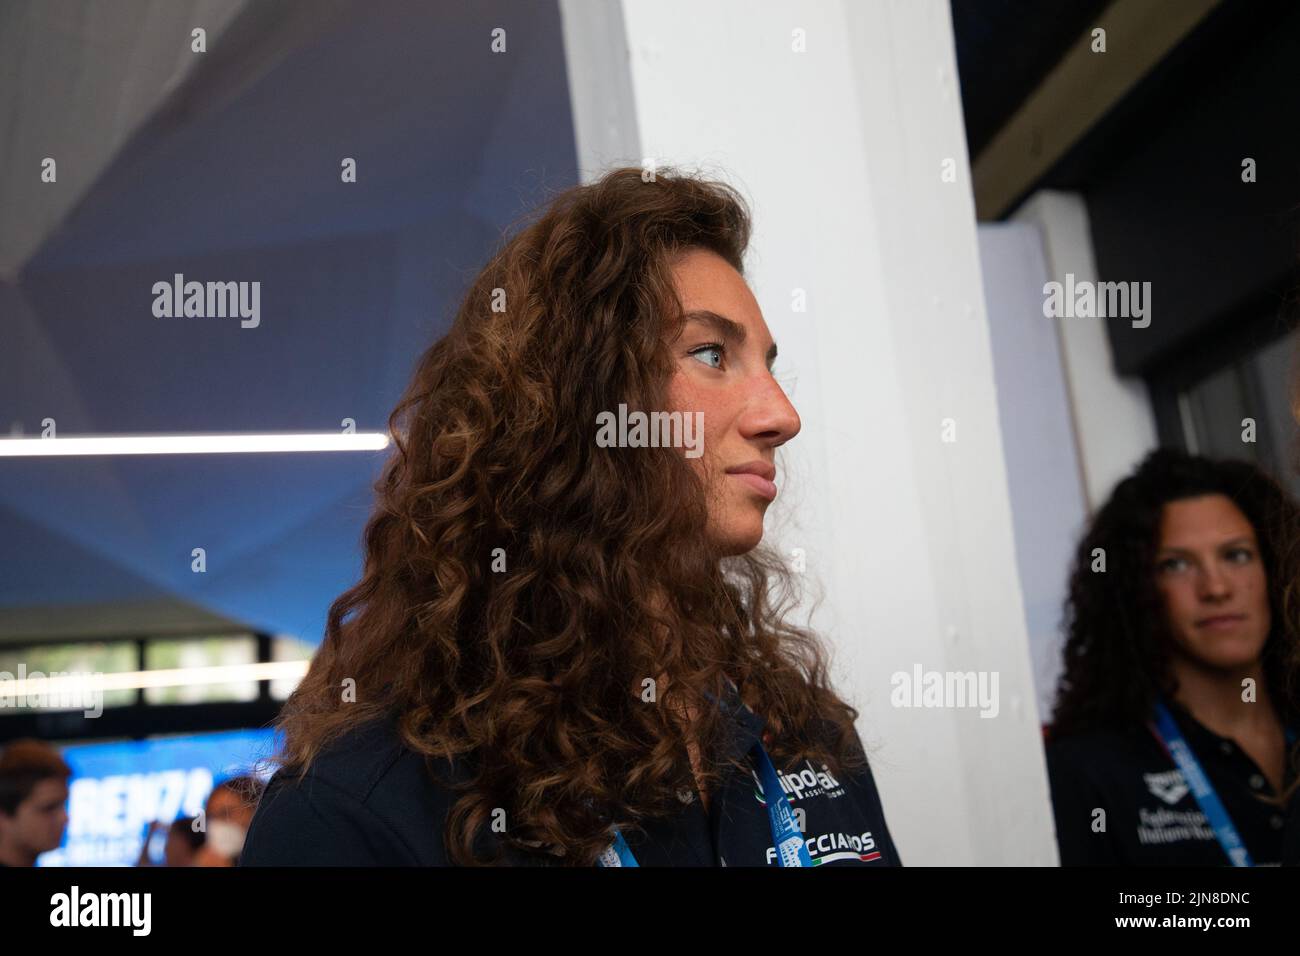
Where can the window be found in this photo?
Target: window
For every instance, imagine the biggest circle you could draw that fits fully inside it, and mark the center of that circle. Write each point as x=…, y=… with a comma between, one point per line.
x=191, y=652
x=52, y=660
x=1218, y=412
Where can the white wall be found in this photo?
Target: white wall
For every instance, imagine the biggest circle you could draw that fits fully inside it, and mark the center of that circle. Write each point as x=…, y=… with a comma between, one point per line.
x=909, y=538
x=1072, y=427
x=1114, y=426
x=1044, y=473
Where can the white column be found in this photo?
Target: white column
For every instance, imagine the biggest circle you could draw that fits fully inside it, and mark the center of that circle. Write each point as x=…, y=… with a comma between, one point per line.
x=1114, y=426
x=841, y=147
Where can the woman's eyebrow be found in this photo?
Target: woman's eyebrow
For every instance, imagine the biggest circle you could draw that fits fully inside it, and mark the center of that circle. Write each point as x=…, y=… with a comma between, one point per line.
x=1180, y=549
x=728, y=330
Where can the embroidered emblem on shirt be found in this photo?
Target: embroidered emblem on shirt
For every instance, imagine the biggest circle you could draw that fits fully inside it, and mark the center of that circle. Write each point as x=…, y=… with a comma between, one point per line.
x=1172, y=826
x=1169, y=785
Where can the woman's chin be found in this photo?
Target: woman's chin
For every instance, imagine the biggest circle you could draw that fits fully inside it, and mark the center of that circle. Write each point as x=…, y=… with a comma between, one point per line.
x=1230, y=656
x=740, y=540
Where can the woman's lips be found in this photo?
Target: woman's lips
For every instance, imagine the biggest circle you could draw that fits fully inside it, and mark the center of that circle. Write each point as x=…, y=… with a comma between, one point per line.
x=760, y=485
x=1221, y=622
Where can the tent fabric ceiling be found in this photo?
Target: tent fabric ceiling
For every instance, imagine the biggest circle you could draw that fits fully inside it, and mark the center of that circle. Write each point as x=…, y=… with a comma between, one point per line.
x=235, y=176
x=79, y=79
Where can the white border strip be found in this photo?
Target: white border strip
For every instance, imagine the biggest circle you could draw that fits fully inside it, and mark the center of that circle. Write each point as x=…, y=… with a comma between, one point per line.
x=189, y=444
x=175, y=677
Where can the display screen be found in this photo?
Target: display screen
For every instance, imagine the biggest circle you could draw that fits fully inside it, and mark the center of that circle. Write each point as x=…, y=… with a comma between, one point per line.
x=118, y=789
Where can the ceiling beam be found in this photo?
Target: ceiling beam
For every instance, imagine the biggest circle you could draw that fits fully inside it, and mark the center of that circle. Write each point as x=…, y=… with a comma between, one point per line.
x=1082, y=88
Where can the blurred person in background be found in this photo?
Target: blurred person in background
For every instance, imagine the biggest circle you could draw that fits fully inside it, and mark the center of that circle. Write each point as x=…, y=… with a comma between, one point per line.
x=227, y=815
x=33, y=801
x=1172, y=740
x=181, y=846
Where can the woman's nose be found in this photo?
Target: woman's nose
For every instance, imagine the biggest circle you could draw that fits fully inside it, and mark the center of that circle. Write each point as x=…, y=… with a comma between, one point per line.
x=1214, y=583
x=774, y=414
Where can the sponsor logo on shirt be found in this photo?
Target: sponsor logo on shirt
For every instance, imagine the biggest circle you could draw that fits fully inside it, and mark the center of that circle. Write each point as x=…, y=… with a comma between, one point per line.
x=1168, y=785
x=830, y=847
x=802, y=783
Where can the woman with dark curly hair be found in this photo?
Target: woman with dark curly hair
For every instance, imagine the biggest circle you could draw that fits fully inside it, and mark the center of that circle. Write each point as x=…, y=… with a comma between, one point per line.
x=567, y=646
x=1171, y=739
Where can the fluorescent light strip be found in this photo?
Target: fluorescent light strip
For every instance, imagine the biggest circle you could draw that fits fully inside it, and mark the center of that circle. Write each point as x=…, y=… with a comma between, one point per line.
x=190, y=444
x=133, y=680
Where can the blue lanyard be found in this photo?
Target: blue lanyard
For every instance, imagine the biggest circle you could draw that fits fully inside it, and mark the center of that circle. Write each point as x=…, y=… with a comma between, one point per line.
x=1207, y=799
x=786, y=838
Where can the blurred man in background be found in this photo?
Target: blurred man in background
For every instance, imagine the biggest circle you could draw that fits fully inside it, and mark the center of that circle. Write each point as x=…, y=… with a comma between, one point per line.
x=33, y=801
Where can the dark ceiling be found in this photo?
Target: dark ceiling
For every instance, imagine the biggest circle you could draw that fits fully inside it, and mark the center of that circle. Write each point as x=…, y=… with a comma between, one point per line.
x=1006, y=47
x=1161, y=172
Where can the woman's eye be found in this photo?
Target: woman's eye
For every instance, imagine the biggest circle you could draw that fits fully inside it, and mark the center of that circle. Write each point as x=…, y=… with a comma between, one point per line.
x=708, y=350
x=1240, y=555
x=1171, y=565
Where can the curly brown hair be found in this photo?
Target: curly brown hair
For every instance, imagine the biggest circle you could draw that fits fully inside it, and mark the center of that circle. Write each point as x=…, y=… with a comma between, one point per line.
x=534, y=675
x=1117, y=646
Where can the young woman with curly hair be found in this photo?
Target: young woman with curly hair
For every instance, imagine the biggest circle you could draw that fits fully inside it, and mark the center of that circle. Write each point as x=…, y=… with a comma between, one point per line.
x=564, y=649
x=1172, y=739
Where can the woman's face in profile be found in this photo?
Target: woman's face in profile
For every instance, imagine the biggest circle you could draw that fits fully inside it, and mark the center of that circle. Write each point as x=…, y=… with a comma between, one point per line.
x=1211, y=576
x=724, y=369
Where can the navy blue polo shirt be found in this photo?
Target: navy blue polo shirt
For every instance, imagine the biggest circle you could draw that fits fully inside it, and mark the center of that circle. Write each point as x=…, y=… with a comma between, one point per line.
x=1151, y=817
x=369, y=801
